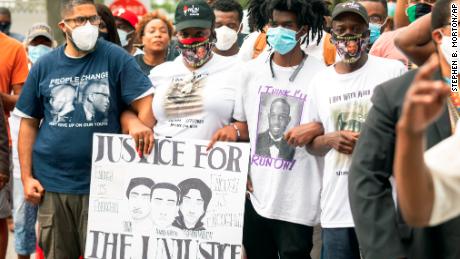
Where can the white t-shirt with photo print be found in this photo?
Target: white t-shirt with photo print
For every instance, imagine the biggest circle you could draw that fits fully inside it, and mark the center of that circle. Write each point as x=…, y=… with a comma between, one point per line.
x=286, y=180
x=193, y=104
x=342, y=102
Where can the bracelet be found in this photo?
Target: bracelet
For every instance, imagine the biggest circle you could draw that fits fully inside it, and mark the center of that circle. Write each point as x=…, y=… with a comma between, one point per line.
x=238, y=134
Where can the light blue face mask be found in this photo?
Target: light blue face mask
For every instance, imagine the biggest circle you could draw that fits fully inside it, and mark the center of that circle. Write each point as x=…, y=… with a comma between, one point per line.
x=123, y=37
x=391, y=9
x=375, y=29
x=35, y=52
x=281, y=39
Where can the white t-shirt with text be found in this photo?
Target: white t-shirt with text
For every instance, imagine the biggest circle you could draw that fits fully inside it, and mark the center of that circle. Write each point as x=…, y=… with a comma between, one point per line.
x=286, y=180
x=342, y=102
x=193, y=104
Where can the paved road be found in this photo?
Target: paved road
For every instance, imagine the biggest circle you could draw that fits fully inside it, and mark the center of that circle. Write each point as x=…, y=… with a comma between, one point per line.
x=10, y=253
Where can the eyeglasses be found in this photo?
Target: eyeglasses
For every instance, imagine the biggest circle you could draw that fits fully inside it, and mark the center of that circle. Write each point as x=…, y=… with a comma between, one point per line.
x=81, y=20
x=376, y=19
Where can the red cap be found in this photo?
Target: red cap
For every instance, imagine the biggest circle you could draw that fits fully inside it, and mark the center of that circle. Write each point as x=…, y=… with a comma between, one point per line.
x=126, y=15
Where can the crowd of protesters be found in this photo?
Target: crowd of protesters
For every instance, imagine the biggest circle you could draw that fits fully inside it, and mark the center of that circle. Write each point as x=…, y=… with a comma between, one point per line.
x=346, y=97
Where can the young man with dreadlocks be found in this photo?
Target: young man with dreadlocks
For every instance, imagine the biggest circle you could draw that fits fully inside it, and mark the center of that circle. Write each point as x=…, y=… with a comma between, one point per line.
x=283, y=204
x=342, y=106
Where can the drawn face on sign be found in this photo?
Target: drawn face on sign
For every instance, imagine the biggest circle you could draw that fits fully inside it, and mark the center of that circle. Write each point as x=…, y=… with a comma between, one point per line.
x=192, y=207
x=139, y=202
x=164, y=203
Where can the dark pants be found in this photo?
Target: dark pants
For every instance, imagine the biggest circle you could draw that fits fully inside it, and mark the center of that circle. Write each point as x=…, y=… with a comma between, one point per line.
x=339, y=243
x=63, y=219
x=265, y=238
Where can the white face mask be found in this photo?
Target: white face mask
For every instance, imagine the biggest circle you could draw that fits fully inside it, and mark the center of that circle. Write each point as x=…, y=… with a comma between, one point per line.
x=85, y=37
x=447, y=49
x=226, y=37
x=123, y=37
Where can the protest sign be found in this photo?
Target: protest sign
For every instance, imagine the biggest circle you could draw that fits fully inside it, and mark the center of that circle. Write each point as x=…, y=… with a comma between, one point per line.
x=180, y=202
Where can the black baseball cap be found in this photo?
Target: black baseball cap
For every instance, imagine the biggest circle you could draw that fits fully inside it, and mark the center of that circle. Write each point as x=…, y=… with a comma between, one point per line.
x=193, y=13
x=350, y=7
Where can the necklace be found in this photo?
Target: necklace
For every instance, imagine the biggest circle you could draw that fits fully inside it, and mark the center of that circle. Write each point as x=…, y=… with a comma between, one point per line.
x=296, y=71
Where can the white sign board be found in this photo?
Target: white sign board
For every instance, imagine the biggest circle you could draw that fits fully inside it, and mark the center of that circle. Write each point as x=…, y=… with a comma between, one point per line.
x=180, y=202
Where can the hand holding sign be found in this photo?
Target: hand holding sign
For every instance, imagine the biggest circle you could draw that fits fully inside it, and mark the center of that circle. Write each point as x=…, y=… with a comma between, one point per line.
x=181, y=200
x=227, y=133
x=142, y=136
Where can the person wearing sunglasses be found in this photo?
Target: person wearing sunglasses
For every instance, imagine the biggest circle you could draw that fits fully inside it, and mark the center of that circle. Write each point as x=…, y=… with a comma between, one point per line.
x=100, y=80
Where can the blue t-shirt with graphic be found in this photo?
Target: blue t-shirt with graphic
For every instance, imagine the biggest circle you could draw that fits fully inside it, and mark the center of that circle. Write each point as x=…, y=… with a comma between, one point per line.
x=76, y=98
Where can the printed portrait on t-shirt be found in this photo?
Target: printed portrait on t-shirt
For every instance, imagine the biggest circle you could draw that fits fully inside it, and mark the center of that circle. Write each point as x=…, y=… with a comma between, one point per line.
x=185, y=96
x=277, y=114
x=82, y=103
x=350, y=116
x=62, y=100
x=94, y=101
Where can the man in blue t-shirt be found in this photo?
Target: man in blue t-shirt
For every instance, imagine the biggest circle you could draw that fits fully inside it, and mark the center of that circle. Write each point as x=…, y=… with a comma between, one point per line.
x=76, y=90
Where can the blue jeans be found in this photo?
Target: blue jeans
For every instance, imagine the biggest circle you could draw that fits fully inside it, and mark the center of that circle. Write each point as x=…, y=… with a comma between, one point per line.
x=339, y=243
x=25, y=217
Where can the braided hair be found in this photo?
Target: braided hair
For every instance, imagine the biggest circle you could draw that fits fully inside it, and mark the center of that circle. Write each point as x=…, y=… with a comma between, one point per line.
x=308, y=12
